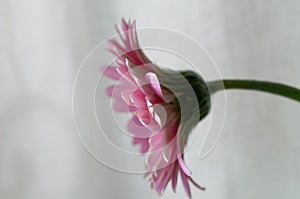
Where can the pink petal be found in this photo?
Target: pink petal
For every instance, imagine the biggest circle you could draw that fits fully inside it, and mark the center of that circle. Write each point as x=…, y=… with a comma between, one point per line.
x=183, y=167
x=133, y=36
x=114, y=45
x=152, y=79
x=159, y=114
x=181, y=141
x=156, y=139
x=153, y=161
x=169, y=151
x=129, y=48
x=136, y=121
x=110, y=90
x=137, y=129
x=137, y=72
x=169, y=141
x=126, y=96
x=143, y=142
x=197, y=185
x=185, y=184
x=122, y=67
x=150, y=94
x=163, y=181
x=174, y=177
x=138, y=99
x=116, y=90
x=124, y=25
x=111, y=72
x=120, y=34
x=168, y=175
x=121, y=106
x=143, y=116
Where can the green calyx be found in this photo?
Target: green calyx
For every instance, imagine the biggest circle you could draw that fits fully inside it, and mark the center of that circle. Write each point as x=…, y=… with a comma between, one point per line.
x=201, y=91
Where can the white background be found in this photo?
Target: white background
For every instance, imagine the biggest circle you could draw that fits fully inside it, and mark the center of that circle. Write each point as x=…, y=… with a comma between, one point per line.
x=42, y=44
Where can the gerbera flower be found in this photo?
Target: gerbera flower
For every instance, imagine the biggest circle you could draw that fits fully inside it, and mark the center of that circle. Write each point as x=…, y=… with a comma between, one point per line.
x=165, y=106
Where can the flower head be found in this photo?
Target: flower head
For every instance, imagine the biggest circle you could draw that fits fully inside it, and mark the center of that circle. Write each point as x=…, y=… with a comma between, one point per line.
x=165, y=106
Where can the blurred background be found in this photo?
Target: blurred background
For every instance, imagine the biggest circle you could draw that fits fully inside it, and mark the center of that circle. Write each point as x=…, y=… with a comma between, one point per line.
x=42, y=44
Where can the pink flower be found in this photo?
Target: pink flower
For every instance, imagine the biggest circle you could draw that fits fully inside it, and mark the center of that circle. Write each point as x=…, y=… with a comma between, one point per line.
x=153, y=96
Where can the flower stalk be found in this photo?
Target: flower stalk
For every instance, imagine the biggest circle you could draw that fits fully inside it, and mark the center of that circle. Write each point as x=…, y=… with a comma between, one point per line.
x=264, y=86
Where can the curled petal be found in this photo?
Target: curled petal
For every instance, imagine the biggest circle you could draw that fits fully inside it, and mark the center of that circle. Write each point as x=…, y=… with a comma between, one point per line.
x=152, y=79
x=197, y=185
x=183, y=167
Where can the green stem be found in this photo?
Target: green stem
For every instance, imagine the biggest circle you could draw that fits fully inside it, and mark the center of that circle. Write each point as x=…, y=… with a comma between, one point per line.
x=269, y=87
